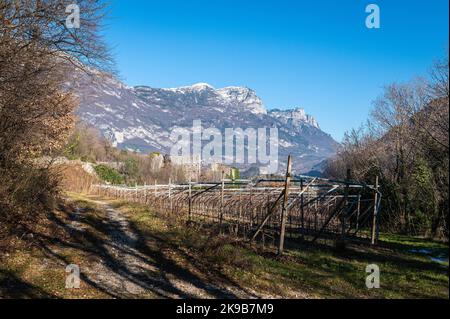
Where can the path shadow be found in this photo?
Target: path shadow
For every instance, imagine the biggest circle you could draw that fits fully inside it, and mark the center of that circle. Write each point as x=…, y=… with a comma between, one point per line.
x=12, y=287
x=101, y=237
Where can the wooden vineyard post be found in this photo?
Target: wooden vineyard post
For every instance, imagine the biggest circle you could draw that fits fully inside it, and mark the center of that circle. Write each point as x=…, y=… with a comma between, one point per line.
x=341, y=242
x=221, y=200
x=136, y=199
x=190, y=202
x=302, y=209
x=170, y=194
x=145, y=193
x=358, y=212
x=249, y=223
x=375, y=214
x=240, y=213
x=283, y=209
x=156, y=186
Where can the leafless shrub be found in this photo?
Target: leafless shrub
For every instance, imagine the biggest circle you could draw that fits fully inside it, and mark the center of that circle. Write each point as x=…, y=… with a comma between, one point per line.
x=37, y=53
x=406, y=144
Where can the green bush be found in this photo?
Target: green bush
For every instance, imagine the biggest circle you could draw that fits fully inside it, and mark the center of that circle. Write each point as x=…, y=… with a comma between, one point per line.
x=130, y=171
x=109, y=174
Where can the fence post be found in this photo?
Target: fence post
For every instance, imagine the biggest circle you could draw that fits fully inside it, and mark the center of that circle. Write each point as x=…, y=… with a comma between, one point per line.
x=358, y=212
x=347, y=193
x=170, y=193
x=145, y=193
x=251, y=205
x=190, y=202
x=136, y=193
x=283, y=209
x=341, y=243
x=221, y=200
x=375, y=213
x=302, y=209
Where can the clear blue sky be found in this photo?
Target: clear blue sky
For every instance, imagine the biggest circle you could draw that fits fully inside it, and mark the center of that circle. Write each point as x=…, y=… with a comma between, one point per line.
x=313, y=54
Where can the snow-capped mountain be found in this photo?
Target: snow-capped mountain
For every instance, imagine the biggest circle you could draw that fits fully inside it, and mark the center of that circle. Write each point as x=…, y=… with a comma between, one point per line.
x=142, y=118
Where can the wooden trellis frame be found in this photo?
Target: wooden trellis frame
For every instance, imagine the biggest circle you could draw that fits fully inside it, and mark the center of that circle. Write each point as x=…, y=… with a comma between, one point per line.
x=297, y=207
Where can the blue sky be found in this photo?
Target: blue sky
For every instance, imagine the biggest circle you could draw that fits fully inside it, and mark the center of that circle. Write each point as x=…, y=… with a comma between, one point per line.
x=312, y=54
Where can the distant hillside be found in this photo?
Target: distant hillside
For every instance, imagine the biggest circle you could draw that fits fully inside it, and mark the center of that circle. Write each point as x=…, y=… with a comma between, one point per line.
x=141, y=118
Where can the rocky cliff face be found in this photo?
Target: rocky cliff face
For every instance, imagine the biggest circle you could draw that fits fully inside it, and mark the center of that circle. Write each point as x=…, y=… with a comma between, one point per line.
x=142, y=118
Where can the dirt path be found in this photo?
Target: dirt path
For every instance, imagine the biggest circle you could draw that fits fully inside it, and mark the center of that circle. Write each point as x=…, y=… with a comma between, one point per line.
x=129, y=270
x=120, y=247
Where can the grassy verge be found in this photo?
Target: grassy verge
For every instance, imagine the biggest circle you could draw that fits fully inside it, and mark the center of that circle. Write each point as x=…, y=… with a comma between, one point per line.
x=305, y=270
x=36, y=266
x=197, y=254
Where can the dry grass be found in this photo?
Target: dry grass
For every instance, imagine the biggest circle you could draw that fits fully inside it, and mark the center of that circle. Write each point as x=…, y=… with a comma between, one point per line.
x=74, y=178
x=311, y=271
x=34, y=265
x=305, y=271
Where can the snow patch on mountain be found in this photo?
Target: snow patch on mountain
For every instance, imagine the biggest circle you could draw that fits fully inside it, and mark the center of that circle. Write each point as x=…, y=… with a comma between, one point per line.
x=142, y=118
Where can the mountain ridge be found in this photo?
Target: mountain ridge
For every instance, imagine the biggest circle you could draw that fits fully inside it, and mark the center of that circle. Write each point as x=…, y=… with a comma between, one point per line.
x=141, y=118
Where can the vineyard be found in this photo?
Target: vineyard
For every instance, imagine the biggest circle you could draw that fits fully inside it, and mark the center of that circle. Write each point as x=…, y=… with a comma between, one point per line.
x=267, y=210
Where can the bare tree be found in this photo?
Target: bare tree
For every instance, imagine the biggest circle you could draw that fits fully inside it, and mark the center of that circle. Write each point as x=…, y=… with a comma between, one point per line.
x=406, y=143
x=38, y=52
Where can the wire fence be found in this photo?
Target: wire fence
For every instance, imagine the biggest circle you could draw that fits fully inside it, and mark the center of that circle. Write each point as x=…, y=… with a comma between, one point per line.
x=300, y=208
